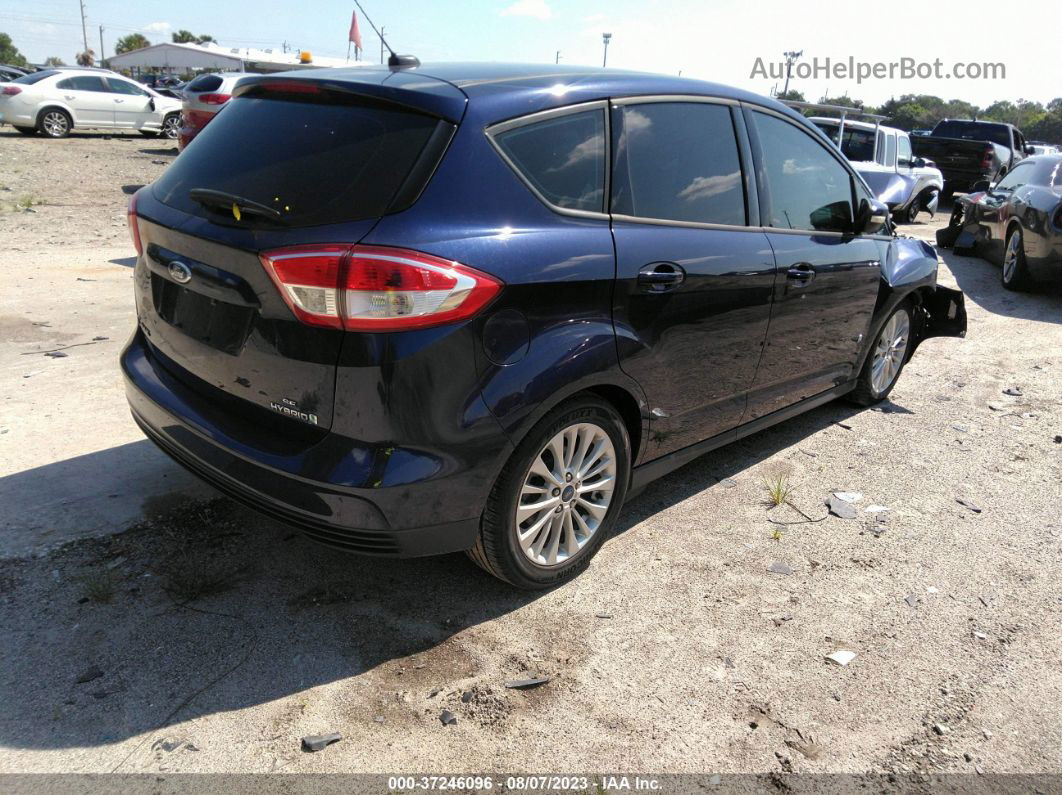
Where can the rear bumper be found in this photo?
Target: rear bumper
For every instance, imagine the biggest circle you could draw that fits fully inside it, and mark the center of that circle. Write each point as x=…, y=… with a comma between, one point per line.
x=276, y=483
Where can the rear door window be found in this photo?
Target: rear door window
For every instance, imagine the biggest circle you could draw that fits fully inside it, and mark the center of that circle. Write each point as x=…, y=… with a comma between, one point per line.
x=316, y=160
x=124, y=87
x=83, y=83
x=808, y=188
x=677, y=161
x=561, y=158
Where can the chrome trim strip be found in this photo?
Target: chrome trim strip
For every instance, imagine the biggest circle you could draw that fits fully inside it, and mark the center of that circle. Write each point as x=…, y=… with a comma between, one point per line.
x=635, y=100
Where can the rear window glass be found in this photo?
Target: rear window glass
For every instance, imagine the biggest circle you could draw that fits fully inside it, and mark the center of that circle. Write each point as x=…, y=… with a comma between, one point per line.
x=562, y=158
x=34, y=77
x=314, y=163
x=973, y=131
x=204, y=83
x=678, y=161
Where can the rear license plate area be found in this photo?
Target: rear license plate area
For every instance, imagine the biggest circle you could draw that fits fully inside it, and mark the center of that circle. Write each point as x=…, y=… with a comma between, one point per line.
x=217, y=324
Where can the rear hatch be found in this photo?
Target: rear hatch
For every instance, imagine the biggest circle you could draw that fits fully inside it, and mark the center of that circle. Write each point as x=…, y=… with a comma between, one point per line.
x=289, y=163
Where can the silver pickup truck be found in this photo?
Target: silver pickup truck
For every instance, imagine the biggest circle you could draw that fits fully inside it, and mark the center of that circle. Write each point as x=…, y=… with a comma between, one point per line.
x=884, y=158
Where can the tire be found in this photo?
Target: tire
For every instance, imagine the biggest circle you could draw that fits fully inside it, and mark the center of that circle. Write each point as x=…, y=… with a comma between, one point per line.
x=509, y=546
x=911, y=213
x=54, y=123
x=1015, y=271
x=886, y=359
x=27, y=130
x=171, y=126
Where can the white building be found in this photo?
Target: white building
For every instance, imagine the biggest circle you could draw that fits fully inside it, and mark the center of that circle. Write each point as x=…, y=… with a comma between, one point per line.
x=177, y=58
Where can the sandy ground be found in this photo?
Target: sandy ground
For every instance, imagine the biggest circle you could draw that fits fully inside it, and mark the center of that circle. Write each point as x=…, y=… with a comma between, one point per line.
x=208, y=639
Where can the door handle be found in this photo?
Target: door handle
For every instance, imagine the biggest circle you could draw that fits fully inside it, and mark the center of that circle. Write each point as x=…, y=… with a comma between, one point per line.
x=660, y=276
x=119, y=100
x=801, y=274
x=69, y=96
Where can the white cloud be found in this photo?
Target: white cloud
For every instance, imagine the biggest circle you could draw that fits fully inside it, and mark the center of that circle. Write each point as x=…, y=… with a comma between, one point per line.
x=538, y=9
x=158, y=27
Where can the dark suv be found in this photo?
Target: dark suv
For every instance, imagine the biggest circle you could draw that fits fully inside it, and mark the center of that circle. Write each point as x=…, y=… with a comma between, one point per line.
x=475, y=307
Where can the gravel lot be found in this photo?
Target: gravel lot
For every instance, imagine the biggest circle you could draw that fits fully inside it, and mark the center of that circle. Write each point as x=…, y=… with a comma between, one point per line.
x=207, y=639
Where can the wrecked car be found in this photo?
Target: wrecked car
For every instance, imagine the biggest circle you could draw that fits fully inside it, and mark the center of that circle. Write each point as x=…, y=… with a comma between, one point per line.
x=1017, y=223
x=474, y=307
x=883, y=156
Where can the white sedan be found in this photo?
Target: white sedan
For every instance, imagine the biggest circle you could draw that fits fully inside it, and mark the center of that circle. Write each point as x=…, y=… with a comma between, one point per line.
x=55, y=101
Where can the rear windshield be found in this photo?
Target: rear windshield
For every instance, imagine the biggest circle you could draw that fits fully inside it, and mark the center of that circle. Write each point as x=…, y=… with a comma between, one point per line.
x=314, y=163
x=205, y=83
x=35, y=77
x=974, y=131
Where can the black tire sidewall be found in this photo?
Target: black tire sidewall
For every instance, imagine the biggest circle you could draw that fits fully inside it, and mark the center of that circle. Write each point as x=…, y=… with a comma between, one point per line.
x=517, y=568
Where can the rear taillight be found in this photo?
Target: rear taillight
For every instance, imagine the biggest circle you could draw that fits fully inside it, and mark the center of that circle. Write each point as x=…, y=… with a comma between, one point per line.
x=214, y=99
x=10, y=91
x=376, y=288
x=986, y=157
x=134, y=230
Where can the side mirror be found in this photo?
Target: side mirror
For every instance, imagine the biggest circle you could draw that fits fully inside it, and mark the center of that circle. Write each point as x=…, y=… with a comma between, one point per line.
x=1030, y=150
x=151, y=103
x=980, y=186
x=918, y=162
x=871, y=218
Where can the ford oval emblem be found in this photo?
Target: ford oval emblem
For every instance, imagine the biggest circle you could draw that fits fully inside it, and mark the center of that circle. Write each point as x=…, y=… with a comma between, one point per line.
x=180, y=272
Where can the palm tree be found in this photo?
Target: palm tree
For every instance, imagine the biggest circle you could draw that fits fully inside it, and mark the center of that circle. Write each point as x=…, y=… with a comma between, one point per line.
x=134, y=41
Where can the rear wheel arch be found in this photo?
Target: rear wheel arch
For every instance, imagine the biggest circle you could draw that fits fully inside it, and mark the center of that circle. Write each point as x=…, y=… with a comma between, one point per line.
x=626, y=405
x=48, y=108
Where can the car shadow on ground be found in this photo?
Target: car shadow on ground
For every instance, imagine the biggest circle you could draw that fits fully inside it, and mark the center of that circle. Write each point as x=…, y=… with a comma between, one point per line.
x=169, y=152
x=211, y=608
x=980, y=281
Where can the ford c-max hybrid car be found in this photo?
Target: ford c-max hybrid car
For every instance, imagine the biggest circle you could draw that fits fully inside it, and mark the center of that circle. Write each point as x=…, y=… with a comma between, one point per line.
x=474, y=307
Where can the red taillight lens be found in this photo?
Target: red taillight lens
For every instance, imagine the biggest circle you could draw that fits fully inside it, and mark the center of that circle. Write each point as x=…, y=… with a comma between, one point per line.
x=376, y=288
x=10, y=91
x=986, y=158
x=134, y=230
x=214, y=99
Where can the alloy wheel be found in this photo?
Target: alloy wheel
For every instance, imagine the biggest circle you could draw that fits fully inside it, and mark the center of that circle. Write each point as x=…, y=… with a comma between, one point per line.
x=566, y=494
x=55, y=124
x=1010, y=258
x=170, y=127
x=889, y=351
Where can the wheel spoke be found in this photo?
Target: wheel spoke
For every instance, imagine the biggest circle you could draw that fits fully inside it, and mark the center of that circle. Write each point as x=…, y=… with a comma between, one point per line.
x=527, y=510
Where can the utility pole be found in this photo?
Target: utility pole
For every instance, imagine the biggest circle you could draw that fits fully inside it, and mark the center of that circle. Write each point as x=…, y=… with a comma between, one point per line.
x=382, y=29
x=790, y=59
x=102, y=59
x=557, y=59
x=84, y=30
x=605, y=37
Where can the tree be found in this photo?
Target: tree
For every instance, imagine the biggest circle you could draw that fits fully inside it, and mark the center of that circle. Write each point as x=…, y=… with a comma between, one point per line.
x=86, y=58
x=187, y=37
x=791, y=94
x=9, y=52
x=134, y=41
x=54, y=60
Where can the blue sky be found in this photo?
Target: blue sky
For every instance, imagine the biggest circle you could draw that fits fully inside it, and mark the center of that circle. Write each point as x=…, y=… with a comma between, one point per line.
x=712, y=39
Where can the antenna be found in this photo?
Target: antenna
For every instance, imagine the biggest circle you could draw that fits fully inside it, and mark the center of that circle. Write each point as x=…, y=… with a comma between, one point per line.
x=396, y=61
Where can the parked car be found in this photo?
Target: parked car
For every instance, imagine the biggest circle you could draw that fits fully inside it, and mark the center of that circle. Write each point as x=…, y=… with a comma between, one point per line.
x=1042, y=148
x=474, y=307
x=1017, y=222
x=203, y=97
x=9, y=72
x=884, y=158
x=55, y=101
x=968, y=152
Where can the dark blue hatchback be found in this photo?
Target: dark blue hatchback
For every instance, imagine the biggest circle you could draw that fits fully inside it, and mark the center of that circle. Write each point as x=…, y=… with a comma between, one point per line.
x=473, y=307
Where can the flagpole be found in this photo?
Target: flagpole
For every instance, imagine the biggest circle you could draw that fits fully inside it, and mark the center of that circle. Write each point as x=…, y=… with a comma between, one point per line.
x=348, y=52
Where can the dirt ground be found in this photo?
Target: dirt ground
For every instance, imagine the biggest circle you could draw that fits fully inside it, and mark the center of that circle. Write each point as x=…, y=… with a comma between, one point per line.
x=206, y=639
